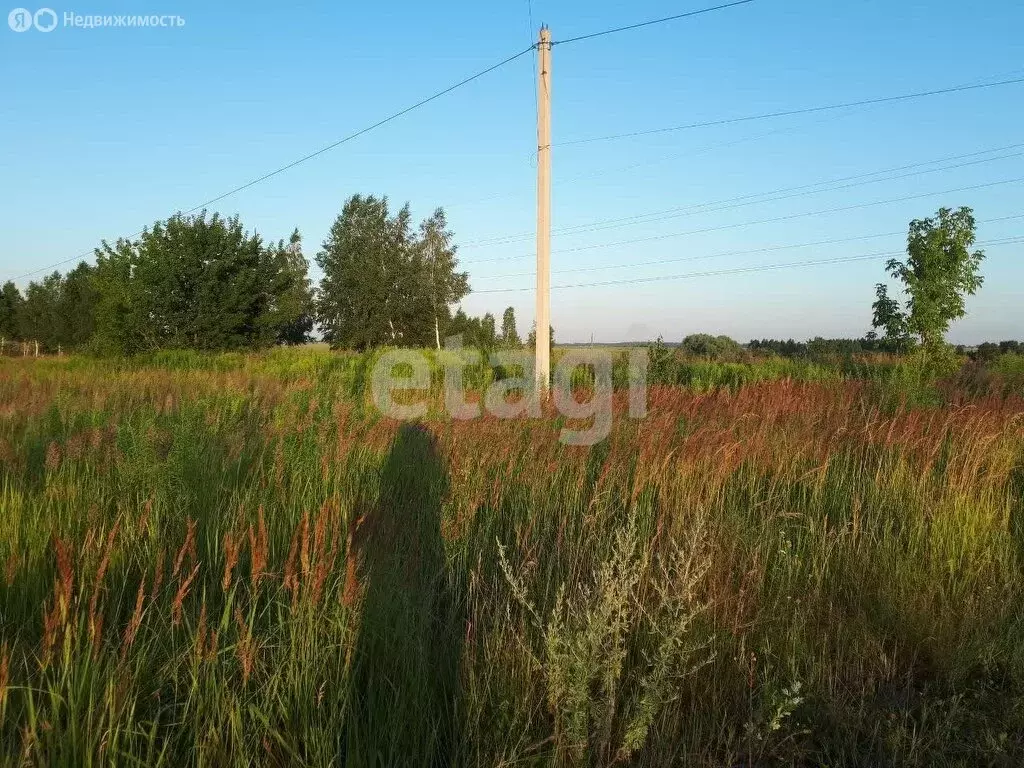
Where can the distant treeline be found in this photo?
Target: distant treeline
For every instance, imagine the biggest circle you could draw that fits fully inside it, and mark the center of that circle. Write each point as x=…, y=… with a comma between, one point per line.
x=820, y=347
x=206, y=283
x=726, y=349
x=990, y=350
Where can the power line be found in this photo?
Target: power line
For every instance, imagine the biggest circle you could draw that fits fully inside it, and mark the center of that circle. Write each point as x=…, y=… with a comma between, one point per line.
x=790, y=112
x=369, y=128
x=702, y=257
x=788, y=217
x=676, y=155
x=677, y=16
x=751, y=199
x=797, y=193
x=529, y=13
x=738, y=270
x=317, y=153
x=721, y=254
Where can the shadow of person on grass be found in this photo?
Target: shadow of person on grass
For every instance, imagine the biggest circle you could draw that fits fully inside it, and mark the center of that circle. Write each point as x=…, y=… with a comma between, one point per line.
x=405, y=672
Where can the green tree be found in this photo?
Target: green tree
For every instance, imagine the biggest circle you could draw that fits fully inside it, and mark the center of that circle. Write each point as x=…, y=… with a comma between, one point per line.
x=940, y=271
x=10, y=311
x=509, y=332
x=488, y=331
x=362, y=260
x=122, y=325
x=888, y=315
x=444, y=284
x=473, y=330
x=382, y=283
x=531, y=339
x=76, y=307
x=290, y=314
x=191, y=282
x=986, y=352
x=39, y=318
x=713, y=347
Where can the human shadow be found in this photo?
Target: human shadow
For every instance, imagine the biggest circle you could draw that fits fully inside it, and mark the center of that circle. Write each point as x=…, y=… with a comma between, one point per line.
x=405, y=672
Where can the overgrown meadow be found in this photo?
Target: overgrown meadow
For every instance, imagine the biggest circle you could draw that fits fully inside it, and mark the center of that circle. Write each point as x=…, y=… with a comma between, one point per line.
x=233, y=560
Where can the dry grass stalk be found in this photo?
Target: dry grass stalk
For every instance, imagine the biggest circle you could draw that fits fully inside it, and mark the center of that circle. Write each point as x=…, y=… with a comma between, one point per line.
x=200, y=643
x=187, y=547
x=350, y=595
x=324, y=555
x=132, y=630
x=53, y=457
x=180, y=596
x=304, y=545
x=211, y=646
x=231, y=552
x=101, y=572
x=5, y=676
x=258, y=550
x=158, y=574
x=291, y=579
x=56, y=618
x=11, y=568
x=65, y=574
x=245, y=649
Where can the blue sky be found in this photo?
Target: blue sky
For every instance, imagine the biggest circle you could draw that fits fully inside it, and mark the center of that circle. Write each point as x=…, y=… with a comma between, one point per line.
x=105, y=130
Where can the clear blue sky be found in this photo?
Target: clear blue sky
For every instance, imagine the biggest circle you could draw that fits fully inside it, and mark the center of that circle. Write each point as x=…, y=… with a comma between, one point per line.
x=105, y=130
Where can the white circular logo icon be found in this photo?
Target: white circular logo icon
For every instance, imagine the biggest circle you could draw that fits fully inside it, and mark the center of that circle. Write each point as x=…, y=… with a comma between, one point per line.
x=20, y=19
x=45, y=20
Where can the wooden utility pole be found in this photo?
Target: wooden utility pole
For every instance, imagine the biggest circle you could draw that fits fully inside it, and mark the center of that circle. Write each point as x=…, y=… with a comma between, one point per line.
x=543, y=335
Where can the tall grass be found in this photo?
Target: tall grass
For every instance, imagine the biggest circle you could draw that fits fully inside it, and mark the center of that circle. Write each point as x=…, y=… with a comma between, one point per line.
x=232, y=560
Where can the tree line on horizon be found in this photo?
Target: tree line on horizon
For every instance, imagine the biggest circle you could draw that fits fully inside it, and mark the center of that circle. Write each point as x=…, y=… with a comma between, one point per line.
x=204, y=282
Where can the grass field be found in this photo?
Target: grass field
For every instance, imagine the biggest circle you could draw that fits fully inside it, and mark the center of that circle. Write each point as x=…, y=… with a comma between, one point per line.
x=231, y=560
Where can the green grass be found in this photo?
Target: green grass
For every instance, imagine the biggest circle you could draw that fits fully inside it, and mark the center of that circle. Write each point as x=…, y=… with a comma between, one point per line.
x=232, y=560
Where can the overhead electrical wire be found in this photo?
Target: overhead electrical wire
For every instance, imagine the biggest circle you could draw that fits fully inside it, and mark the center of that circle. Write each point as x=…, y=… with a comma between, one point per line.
x=689, y=153
x=788, y=112
x=772, y=220
x=641, y=218
x=333, y=145
x=721, y=254
x=395, y=116
x=753, y=198
x=736, y=270
x=628, y=27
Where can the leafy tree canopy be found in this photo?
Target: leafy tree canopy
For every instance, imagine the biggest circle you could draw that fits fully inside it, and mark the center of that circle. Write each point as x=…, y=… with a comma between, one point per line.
x=384, y=284
x=940, y=271
x=713, y=347
x=196, y=282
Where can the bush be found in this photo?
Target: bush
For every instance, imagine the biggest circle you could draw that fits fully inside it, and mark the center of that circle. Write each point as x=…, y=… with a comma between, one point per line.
x=712, y=347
